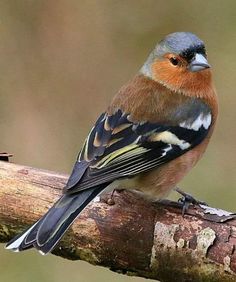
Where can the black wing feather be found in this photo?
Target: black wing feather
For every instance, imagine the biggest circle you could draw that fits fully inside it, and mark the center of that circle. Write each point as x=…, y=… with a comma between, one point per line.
x=127, y=148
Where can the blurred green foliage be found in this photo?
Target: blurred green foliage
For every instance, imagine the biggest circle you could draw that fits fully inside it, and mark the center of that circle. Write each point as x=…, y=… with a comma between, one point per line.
x=60, y=64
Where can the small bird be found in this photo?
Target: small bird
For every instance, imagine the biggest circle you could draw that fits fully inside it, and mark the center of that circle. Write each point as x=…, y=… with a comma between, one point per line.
x=154, y=131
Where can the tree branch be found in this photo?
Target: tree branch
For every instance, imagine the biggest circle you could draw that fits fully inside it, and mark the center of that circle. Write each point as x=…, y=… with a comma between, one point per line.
x=134, y=236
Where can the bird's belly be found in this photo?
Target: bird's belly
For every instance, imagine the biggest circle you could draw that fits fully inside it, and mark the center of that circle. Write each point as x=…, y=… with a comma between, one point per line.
x=152, y=190
x=158, y=183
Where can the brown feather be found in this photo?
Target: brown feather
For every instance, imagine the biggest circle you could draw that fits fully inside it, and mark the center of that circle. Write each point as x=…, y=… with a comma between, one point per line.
x=150, y=100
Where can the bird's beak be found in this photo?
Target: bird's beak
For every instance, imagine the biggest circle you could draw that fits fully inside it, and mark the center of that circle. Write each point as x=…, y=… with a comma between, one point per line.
x=198, y=63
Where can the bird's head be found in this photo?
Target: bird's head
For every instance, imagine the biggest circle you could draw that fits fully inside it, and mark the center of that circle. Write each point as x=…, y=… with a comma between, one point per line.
x=179, y=62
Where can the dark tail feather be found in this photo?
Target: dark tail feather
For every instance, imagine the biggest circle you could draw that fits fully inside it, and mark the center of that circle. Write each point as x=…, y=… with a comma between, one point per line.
x=25, y=240
x=47, y=231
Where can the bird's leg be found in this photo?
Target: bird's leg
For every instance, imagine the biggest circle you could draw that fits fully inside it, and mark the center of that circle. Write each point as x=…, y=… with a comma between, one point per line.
x=108, y=198
x=186, y=200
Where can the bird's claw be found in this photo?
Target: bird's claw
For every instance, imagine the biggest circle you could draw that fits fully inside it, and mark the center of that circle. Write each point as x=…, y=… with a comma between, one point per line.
x=108, y=198
x=186, y=200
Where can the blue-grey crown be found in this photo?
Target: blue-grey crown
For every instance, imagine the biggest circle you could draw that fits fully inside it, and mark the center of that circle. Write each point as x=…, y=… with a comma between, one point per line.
x=181, y=43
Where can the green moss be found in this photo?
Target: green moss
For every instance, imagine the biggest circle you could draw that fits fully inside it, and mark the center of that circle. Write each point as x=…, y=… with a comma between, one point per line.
x=9, y=231
x=87, y=255
x=4, y=232
x=182, y=266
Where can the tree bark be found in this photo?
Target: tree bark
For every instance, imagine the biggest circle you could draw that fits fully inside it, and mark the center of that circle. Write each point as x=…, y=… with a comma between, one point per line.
x=134, y=236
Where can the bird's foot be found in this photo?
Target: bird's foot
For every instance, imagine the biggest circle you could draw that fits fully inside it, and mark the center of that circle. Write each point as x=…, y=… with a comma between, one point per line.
x=186, y=200
x=108, y=198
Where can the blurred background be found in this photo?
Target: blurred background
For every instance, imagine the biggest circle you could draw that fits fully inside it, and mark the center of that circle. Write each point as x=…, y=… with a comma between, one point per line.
x=61, y=62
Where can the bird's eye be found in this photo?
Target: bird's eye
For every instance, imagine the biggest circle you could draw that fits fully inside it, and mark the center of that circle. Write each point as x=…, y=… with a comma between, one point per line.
x=174, y=61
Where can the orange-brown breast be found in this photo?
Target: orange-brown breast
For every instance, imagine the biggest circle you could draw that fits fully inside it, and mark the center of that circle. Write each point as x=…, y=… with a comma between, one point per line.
x=146, y=100
x=149, y=100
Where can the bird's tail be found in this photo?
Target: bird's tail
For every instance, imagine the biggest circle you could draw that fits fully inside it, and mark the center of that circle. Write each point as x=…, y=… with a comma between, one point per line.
x=48, y=230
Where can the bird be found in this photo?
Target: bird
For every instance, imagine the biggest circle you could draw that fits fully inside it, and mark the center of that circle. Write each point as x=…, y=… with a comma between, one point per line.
x=152, y=134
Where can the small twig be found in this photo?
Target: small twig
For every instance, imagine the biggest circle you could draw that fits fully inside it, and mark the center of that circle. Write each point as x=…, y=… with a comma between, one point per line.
x=5, y=156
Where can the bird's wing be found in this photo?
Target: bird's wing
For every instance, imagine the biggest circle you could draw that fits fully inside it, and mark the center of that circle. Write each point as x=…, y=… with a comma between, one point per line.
x=117, y=147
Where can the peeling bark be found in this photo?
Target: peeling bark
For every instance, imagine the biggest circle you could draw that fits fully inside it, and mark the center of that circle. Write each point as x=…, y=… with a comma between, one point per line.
x=134, y=236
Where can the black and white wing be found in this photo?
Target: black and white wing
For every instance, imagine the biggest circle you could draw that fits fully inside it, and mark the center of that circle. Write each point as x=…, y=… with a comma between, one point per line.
x=116, y=147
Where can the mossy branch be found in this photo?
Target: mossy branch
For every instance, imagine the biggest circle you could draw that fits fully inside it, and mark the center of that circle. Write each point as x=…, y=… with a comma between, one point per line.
x=133, y=236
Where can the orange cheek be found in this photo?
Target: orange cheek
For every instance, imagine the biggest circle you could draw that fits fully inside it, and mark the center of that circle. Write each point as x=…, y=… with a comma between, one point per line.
x=180, y=78
x=164, y=72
